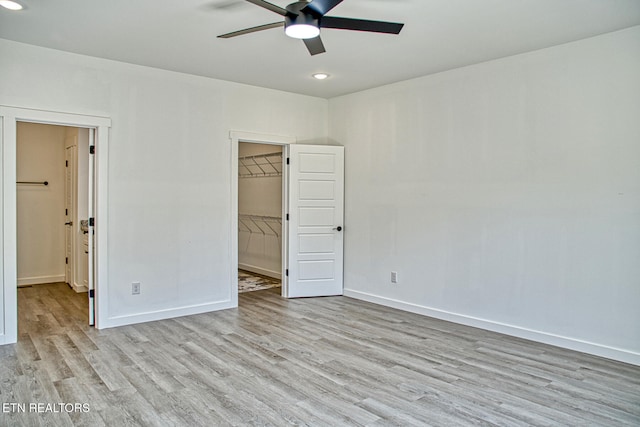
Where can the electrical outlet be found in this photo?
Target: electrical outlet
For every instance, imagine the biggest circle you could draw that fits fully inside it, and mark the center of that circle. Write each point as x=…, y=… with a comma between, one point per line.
x=394, y=277
x=135, y=288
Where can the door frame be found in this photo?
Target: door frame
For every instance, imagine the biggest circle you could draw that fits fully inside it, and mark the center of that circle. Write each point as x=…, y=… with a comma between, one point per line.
x=9, y=116
x=237, y=137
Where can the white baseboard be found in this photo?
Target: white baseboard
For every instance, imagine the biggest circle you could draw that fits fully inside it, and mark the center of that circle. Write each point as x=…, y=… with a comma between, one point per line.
x=80, y=288
x=258, y=270
x=39, y=280
x=608, y=352
x=151, y=316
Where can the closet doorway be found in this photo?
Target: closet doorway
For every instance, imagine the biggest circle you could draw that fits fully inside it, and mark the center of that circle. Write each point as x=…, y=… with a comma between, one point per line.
x=311, y=215
x=260, y=216
x=52, y=200
x=98, y=127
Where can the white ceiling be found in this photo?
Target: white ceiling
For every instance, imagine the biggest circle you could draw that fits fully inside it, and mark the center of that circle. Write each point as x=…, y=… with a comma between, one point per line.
x=180, y=35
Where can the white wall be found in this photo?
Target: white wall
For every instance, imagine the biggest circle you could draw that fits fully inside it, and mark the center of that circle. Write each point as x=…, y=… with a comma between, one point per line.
x=506, y=194
x=258, y=252
x=169, y=167
x=40, y=209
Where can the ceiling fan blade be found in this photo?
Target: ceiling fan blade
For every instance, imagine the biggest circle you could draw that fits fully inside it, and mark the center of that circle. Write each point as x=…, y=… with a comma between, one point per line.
x=314, y=45
x=223, y=4
x=360, y=25
x=269, y=6
x=320, y=7
x=251, y=30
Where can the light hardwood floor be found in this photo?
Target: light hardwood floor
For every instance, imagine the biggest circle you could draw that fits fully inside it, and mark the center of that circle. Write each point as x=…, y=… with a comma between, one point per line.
x=318, y=361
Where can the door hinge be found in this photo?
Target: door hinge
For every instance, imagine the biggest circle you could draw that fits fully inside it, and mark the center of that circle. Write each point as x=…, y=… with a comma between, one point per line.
x=91, y=222
x=286, y=272
x=287, y=217
x=66, y=260
x=92, y=149
x=66, y=211
x=92, y=293
x=66, y=163
x=287, y=160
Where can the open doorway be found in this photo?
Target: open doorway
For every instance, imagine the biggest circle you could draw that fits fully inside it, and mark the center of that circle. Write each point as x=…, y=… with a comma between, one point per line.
x=312, y=189
x=260, y=216
x=52, y=200
x=98, y=212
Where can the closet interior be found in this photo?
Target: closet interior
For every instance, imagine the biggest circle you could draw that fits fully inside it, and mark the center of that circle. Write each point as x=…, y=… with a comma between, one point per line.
x=259, y=216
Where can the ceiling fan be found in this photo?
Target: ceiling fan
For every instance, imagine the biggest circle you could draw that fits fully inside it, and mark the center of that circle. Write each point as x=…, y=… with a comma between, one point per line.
x=303, y=20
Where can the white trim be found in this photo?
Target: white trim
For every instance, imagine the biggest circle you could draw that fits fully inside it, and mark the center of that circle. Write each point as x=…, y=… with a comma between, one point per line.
x=9, y=326
x=90, y=274
x=261, y=138
x=613, y=353
x=38, y=280
x=54, y=118
x=10, y=116
x=151, y=316
x=79, y=288
x=236, y=137
x=259, y=270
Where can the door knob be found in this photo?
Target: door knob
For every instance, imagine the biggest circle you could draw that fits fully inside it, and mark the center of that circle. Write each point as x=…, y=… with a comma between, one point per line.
x=68, y=223
x=339, y=228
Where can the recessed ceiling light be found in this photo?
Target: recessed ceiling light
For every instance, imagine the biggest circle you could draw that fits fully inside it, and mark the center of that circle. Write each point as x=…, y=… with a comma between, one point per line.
x=320, y=76
x=11, y=5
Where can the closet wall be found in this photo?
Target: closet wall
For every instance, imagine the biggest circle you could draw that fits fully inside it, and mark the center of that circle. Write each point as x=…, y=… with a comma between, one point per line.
x=260, y=209
x=40, y=216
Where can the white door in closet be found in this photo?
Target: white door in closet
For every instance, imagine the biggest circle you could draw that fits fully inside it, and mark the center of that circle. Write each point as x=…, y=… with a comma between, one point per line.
x=316, y=209
x=69, y=212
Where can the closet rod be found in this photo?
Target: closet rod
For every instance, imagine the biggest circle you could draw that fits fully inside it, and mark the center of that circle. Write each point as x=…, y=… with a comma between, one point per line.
x=33, y=182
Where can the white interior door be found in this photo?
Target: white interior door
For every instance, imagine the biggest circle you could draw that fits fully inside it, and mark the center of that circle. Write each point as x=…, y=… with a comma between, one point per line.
x=316, y=209
x=69, y=213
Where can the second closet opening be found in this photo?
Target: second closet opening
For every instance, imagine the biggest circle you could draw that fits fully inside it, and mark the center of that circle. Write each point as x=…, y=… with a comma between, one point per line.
x=260, y=216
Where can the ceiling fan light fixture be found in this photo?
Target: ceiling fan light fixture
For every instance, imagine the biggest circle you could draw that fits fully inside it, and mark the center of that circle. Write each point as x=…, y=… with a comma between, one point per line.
x=304, y=18
x=299, y=25
x=302, y=31
x=11, y=5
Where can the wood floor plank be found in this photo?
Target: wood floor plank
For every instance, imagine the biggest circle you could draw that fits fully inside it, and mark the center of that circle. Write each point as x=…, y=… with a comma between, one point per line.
x=71, y=390
x=331, y=361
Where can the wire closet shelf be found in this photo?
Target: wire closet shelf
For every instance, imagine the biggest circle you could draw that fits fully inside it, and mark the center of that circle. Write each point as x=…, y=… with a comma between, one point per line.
x=261, y=224
x=260, y=165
